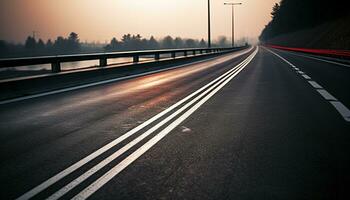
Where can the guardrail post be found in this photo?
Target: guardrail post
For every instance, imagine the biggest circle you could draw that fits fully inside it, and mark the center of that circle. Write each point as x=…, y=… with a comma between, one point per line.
x=201, y=51
x=55, y=67
x=136, y=59
x=173, y=54
x=103, y=62
x=194, y=52
x=157, y=56
x=185, y=53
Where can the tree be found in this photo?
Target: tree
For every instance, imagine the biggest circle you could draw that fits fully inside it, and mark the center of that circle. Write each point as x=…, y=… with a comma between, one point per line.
x=144, y=44
x=60, y=43
x=153, y=43
x=73, y=43
x=3, y=47
x=30, y=43
x=168, y=42
x=40, y=45
x=114, y=43
x=3, y=44
x=202, y=43
x=190, y=43
x=49, y=44
x=73, y=37
x=126, y=38
x=275, y=10
x=178, y=42
x=223, y=42
x=293, y=15
x=136, y=42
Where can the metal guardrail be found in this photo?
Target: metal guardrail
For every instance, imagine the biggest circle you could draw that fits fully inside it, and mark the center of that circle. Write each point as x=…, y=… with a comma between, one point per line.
x=56, y=61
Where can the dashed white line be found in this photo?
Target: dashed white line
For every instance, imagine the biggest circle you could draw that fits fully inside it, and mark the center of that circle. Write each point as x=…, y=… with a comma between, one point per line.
x=341, y=108
x=315, y=85
x=306, y=76
x=326, y=95
x=344, y=111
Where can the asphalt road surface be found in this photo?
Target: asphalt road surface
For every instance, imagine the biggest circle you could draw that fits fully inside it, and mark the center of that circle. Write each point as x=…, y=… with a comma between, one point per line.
x=254, y=124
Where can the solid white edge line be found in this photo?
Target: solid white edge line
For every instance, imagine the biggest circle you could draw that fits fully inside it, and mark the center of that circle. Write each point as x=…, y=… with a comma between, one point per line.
x=103, y=82
x=319, y=59
x=128, y=146
x=31, y=193
x=92, y=188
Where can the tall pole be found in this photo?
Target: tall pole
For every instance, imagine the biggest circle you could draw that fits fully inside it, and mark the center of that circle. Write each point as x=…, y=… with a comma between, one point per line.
x=209, y=31
x=233, y=26
x=233, y=20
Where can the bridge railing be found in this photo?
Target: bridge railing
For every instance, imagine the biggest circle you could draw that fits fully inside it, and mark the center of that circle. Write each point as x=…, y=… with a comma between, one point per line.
x=56, y=61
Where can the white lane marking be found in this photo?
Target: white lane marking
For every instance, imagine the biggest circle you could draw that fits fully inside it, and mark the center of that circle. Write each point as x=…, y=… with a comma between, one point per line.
x=315, y=85
x=103, y=82
x=340, y=107
x=296, y=68
x=121, y=151
x=301, y=72
x=87, y=192
x=108, y=146
x=319, y=59
x=326, y=95
x=306, y=77
x=343, y=110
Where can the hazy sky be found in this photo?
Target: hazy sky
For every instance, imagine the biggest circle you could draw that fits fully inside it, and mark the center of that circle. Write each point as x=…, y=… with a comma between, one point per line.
x=100, y=20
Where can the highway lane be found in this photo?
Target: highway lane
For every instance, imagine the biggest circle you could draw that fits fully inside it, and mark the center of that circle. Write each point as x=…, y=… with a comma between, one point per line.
x=334, y=77
x=261, y=131
x=55, y=131
x=266, y=135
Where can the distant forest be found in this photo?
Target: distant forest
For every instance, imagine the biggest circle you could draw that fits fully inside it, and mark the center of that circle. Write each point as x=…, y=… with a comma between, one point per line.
x=71, y=45
x=293, y=15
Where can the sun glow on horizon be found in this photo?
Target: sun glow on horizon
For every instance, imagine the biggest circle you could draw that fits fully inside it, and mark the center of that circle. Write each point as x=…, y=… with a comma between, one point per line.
x=100, y=20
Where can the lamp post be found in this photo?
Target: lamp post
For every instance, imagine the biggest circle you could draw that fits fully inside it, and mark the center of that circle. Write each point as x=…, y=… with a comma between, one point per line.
x=233, y=20
x=209, y=31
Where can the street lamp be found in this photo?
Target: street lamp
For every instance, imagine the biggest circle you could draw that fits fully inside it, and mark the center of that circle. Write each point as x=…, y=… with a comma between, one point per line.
x=233, y=20
x=209, y=32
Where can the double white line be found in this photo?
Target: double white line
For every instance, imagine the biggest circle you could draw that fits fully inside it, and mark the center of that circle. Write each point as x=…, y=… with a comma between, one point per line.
x=194, y=101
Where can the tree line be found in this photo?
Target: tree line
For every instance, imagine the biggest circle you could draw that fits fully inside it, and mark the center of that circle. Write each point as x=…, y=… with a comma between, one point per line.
x=136, y=42
x=33, y=46
x=71, y=44
x=293, y=15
